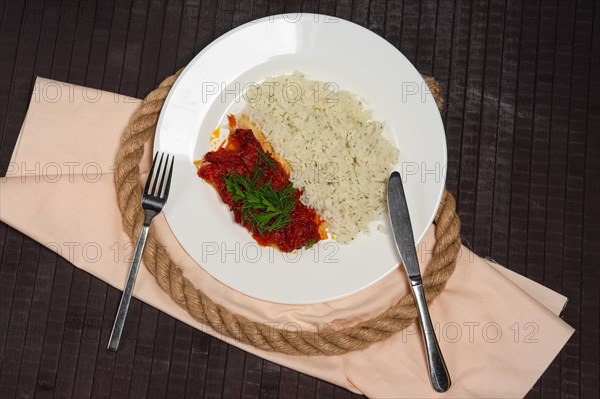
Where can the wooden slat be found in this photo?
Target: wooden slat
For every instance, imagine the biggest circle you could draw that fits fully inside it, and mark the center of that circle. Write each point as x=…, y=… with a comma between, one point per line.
x=307, y=386
x=309, y=6
x=324, y=390
x=142, y=359
x=121, y=373
x=198, y=365
x=101, y=384
x=393, y=21
x=206, y=24
x=376, y=22
x=426, y=37
x=443, y=49
x=132, y=61
x=269, y=383
x=343, y=9
x=117, y=42
x=288, y=386
x=82, y=44
x=223, y=17
x=234, y=374
x=292, y=8
x=275, y=8
x=410, y=30
x=147, y=74
x=182, y=345
x=60, y=60
x=170, y=37
x=73, y=333
x=360, y=12
x=91, y=340
x=215, y=372
x=2, y=5
x=98, y=55
x=327, y=7
x=252, y=376
x=161, y=356
x=340, y=393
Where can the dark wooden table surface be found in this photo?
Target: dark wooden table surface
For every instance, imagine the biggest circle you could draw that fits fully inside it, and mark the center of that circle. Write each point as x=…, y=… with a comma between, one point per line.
x=521, y=82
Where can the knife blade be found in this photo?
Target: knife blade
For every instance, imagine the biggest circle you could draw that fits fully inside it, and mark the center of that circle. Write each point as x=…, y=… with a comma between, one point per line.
x=402, y=227
x=405, y=243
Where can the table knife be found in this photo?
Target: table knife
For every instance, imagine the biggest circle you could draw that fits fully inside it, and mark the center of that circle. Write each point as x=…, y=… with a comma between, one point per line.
x=405, y=243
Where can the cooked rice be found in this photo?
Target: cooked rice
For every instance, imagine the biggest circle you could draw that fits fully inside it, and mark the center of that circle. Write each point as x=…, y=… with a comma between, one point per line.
x=335, y=149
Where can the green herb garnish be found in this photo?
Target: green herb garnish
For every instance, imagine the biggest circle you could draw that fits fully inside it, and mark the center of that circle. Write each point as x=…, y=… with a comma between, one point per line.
x=261, y=206
x=266, y=159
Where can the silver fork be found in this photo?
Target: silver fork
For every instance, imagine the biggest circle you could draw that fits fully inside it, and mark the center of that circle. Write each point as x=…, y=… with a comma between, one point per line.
x=153, y=202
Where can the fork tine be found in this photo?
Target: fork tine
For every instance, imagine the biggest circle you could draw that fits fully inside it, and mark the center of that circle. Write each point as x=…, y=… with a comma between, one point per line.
x=158, y=175
x=164, y=178
x=150, y=173
x=169, y=178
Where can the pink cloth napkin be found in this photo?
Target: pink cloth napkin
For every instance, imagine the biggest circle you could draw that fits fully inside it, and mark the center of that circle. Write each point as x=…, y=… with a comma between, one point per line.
x=498, y=330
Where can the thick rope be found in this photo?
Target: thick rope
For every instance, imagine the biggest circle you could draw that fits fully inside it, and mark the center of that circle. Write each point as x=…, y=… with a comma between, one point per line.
x=170, y=277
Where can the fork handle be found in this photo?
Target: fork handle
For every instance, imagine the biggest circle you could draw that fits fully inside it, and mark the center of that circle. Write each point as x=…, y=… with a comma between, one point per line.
x=117, y=330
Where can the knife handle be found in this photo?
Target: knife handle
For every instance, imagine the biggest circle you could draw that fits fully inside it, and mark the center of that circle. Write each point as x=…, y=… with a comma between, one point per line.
x=440, y=379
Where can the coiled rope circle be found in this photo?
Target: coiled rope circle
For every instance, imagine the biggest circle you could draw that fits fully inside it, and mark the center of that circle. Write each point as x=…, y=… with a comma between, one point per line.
x=170, y=278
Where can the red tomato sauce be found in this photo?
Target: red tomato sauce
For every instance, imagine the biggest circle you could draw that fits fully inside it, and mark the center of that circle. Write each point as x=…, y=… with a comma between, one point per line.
x=240, y=155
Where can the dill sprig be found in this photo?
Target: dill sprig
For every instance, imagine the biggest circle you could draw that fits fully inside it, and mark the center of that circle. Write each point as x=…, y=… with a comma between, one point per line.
x=261, y=206
x=266, y=159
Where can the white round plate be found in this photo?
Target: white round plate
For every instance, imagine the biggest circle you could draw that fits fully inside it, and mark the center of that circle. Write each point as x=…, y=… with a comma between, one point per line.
x=327, y=49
